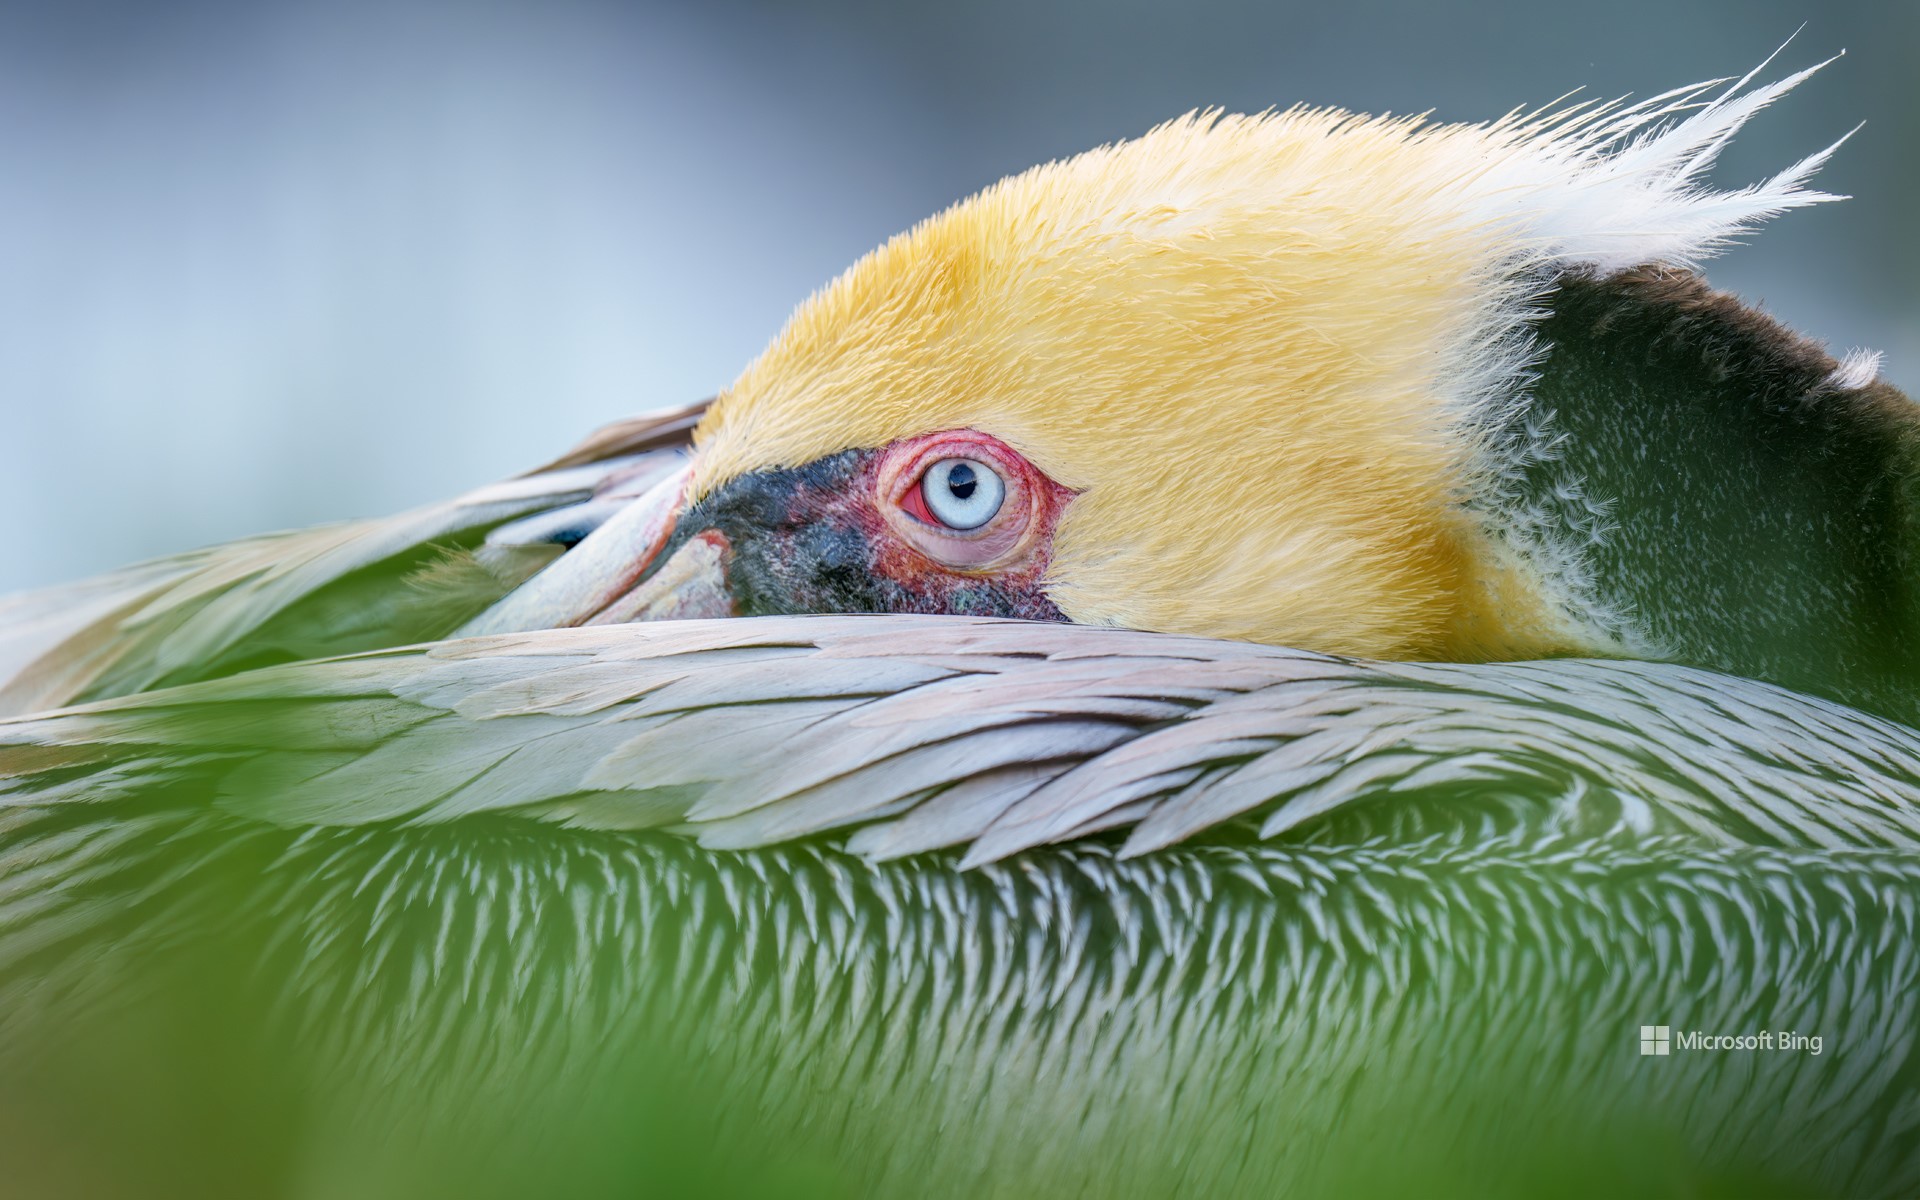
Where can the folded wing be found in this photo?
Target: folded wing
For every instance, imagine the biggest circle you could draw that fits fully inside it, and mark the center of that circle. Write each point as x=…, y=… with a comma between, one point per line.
x=909, y=734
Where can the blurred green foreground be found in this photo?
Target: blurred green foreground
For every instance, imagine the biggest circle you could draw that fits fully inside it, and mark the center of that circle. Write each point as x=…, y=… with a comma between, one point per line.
x=211, y=1007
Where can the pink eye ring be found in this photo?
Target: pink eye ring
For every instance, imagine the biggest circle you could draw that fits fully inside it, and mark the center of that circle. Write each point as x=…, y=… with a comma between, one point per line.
x=964, y=499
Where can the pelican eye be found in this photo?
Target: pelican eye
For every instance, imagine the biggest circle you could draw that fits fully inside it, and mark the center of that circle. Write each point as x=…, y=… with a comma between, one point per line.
x=962, y=493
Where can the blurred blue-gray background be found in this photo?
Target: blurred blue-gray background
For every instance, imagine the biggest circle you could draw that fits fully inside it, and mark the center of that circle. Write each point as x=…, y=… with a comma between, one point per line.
x=265, y=264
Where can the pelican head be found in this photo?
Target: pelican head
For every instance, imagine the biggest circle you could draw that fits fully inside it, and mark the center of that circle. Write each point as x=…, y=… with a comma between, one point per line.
x=1293, y=378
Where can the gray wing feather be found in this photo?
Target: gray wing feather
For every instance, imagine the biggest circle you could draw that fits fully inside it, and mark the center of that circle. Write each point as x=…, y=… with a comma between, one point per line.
x=296, y=594
x=917, y=733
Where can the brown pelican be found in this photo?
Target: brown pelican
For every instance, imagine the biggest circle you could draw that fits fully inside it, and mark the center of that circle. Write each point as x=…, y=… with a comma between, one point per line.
x=1294, y=654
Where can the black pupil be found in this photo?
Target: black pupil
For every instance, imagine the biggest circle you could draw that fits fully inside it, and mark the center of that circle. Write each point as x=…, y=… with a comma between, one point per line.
x=961, y=481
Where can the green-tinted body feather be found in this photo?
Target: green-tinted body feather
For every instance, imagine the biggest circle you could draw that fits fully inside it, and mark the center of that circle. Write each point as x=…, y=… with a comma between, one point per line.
x=1736, y=504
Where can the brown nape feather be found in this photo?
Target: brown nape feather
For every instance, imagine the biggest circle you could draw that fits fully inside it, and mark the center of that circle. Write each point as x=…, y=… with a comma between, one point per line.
x=1734, y=337
x=1715, y=492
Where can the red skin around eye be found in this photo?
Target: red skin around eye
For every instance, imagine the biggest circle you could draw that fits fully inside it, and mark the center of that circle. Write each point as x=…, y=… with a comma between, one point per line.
x=912, y=545
x=915, y=502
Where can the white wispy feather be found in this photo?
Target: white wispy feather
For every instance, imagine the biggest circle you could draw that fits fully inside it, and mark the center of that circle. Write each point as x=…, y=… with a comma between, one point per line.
x=1617, y=185
x=1858, y=368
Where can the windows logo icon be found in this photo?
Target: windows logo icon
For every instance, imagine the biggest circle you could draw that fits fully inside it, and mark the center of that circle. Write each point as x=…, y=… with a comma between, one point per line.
x=1654, y=1040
